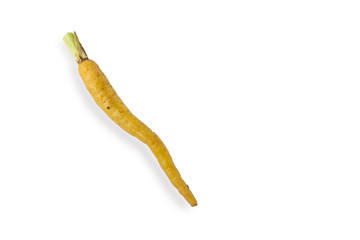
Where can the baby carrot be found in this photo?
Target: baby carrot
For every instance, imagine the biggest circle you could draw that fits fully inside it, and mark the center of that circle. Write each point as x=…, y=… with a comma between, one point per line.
x=107, y=99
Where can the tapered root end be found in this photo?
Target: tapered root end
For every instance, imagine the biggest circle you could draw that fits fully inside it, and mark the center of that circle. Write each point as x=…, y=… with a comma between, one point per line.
x=73, y=44
x=191, y=199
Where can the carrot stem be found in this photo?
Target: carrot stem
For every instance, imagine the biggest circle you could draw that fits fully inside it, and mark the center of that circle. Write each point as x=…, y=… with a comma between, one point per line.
x=73, y=44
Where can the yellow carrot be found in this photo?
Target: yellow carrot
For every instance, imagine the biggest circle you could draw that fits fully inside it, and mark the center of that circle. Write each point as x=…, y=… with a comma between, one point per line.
x=106, y=98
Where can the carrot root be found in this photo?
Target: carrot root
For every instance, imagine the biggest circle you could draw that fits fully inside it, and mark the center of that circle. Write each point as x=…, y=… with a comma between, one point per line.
x=106, y=98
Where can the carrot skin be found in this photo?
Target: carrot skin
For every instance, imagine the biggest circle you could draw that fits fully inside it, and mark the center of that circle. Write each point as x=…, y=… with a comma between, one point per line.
x=107, y=99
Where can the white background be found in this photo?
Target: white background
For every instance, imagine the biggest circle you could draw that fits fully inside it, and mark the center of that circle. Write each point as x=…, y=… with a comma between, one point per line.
x=257, y=101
